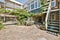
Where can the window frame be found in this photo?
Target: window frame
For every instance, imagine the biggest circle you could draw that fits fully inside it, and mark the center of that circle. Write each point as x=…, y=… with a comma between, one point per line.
x=53, y=4
x=32, y=5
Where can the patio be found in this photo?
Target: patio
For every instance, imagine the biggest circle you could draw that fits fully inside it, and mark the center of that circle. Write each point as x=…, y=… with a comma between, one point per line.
x=25, y=33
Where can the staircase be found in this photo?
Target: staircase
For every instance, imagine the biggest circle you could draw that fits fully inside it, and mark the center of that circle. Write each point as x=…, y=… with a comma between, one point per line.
x=54, y=26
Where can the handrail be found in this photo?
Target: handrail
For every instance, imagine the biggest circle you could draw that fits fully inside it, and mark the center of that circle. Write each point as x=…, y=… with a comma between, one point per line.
x=46, y=20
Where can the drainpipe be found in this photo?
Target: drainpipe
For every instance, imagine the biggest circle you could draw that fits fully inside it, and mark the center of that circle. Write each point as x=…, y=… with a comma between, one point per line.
x=59, y=16
x=4, y=9
x=47, y=15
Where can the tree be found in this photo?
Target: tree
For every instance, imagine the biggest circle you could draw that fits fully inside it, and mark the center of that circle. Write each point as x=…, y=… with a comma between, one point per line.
x=43, y=5
x=2, y=10
x=21, y=14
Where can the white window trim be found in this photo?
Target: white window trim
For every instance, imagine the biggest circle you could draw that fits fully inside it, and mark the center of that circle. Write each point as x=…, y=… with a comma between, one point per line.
x=34, y=5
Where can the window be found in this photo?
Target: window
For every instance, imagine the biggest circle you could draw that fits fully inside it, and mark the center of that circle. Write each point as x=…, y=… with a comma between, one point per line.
x=38, y=3
x=28, y=6
x=53, y=16
x=37, y=10
x=32, y=6
x=53, y=4
x=35, y=4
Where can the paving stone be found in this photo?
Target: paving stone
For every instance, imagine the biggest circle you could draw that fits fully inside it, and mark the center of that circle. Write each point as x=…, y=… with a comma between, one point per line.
x=25, y=33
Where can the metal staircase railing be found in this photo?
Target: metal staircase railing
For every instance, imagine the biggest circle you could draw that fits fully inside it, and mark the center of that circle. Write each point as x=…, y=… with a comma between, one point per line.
x=46, y=20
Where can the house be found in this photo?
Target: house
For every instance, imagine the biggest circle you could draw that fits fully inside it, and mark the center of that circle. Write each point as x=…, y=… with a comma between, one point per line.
x=11, y=4
x=1, y=3
x=54, y=15
x=34, y=7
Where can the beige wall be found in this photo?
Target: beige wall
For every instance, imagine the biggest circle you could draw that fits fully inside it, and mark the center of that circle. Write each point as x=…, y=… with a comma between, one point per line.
x=13, y=5
x=1, y=4
x=54, y=16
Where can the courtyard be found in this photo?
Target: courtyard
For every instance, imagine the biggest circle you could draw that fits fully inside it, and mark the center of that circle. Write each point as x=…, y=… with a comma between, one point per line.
x=31, y=20
x=13, y=32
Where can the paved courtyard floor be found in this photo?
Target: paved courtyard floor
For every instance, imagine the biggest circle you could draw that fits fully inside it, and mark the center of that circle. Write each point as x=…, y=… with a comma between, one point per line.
x=25, y=33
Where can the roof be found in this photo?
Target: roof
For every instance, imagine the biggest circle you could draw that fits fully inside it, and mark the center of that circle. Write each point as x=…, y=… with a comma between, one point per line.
x=29, y=1
x=16, y=2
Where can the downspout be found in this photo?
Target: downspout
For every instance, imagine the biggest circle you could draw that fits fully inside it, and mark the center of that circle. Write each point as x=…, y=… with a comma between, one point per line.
x=59, y=17
x=4, y=9
x=47, y=15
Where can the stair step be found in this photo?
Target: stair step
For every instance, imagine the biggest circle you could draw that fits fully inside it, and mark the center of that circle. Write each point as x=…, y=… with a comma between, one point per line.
x=53, y=30
x=54, y=22
x=53, y=27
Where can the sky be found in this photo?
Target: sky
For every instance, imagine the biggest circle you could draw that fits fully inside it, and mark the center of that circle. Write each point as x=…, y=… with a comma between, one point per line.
x=2, y=0
x=22, y=1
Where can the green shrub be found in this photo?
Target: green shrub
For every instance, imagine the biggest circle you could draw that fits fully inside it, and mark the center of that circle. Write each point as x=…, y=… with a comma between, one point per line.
x=22, y=15
x=1, y=26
